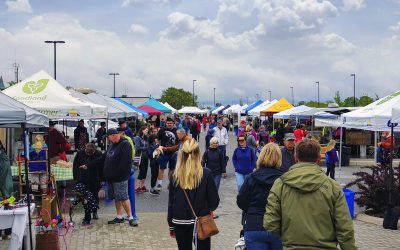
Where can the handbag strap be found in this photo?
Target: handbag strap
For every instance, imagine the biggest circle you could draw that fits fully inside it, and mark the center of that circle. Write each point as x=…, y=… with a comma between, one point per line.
x=190, y=204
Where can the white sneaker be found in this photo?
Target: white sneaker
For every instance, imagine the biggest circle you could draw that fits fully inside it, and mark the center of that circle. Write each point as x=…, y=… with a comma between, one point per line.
x=158, y=188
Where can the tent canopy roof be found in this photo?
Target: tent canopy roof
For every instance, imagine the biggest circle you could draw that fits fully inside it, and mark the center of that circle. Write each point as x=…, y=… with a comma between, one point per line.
x=279, y=106
x=157, y=105
x=286, y=113
x=253, y=105
x=190, y=110
x=166, y=104
x=41, y=92
x=98, y=111
x=138, y=110
x=113, y=112
x=13, y=113
x=150, y=110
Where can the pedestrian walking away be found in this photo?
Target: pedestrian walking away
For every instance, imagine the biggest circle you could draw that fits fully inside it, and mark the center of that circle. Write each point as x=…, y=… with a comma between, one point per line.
x=252, y=199
x=198, y=183
x=214, y=160
x=331, y=158
x=323, y=224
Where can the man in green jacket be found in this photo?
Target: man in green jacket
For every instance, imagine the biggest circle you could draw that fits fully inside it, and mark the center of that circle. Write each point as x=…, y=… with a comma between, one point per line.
x=306, y=208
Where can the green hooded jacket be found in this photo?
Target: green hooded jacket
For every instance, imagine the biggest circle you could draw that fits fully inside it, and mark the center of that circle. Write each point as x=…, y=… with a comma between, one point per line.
x=308, y=210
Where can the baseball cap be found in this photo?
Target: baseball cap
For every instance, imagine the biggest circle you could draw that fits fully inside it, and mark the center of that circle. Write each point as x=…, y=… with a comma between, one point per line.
x=111, y=131
x=289, y=136
x=119, y=129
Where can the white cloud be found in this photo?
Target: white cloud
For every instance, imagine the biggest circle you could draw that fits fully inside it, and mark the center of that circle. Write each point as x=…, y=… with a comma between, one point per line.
x=395, y=27
x=353, y=4
x=18, y=6
x=127, y=3
x=137, y=28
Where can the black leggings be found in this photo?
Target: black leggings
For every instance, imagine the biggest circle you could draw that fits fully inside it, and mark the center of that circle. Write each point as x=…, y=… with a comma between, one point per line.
x=144, y=164
x=184, y=238
x=330, y=170
x=154, y=166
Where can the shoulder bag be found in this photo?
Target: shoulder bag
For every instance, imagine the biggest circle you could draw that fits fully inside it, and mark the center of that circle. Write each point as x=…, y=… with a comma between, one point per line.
x=204, y=225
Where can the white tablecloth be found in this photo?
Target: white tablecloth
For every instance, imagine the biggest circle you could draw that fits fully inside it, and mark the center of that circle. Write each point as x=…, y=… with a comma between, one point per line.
x=17, y=220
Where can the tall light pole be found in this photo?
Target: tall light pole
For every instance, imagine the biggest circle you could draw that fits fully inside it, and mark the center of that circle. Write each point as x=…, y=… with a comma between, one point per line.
x=55, y=55
x=214, y=97
x=354, y=93
x=270, y=95
x=114, y=74
x=193, y=91
x=318, y=92
x=292, y=96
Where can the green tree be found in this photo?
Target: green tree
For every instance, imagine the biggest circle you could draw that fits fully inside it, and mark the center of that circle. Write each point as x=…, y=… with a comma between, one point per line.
x=349, y=102
x=337, y=99
x=178, y=98
x=365, y=100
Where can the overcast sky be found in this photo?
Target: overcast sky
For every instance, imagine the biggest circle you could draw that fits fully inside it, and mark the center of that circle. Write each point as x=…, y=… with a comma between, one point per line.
x=240, y=47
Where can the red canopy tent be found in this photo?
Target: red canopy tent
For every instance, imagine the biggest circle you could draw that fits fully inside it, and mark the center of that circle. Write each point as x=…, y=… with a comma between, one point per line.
x=151, y=110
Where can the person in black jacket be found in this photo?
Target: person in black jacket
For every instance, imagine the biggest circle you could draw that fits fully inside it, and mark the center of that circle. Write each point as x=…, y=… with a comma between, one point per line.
x=198, y=183
x=88, y=170
x=252, y=199
x=117, y=168
x=81, y=136
x=214, y=160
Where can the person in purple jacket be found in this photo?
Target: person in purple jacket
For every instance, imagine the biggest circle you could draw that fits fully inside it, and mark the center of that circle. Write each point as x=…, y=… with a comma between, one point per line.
x=331, y=158
x=244, y=161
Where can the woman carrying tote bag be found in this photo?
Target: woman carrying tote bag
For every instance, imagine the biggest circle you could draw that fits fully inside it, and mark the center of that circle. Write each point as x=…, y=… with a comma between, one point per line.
x=193, y=186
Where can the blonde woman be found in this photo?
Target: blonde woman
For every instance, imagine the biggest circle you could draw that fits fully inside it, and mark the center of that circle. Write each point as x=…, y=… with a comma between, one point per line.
x=199, y=185
x=252, y=199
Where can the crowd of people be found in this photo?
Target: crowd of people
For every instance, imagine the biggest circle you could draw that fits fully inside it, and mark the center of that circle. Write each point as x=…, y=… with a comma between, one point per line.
x=277, y=176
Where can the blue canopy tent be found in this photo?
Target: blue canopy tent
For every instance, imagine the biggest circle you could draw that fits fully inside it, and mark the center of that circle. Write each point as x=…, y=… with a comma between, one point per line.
x=252, y=106
x=143, y=113
x=157, y=105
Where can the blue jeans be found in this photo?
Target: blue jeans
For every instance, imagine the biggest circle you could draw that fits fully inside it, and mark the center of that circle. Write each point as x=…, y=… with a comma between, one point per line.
x=256, y=240
x=240, y=179
x=217, y=180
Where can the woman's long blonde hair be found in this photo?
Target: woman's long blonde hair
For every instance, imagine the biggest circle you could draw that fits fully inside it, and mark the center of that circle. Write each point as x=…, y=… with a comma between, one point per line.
x=270, y=156
x=188, y=172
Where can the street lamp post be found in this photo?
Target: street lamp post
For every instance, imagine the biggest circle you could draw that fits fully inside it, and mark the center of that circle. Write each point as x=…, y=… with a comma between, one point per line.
x=270, y=95
x=354, y=93
x=318, y=92
x=214, y=97
x=114, y=74
x=193, y=91
x=55, y=55
x=292, y=96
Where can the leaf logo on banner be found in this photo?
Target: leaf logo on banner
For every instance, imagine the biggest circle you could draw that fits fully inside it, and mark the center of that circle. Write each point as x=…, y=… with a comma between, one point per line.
x=33, y=87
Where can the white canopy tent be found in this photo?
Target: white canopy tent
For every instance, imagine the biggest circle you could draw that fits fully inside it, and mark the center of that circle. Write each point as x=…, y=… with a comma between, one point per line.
x=375, y=116
x=230, y=109
x=113, y=112
x=265, y=105
x=13, y=113
x=174, y=111
x=190, y=110
x=44, y=94
x=215, y=111
x=286, y=113
x=98, y=111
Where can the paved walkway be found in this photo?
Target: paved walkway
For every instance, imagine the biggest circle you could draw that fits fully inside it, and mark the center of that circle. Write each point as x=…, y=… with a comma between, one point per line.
x=153, y=233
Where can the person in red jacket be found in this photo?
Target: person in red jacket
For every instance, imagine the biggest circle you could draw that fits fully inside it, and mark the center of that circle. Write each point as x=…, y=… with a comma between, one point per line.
x=204, y=122
x=384, y=147
x=300, y=133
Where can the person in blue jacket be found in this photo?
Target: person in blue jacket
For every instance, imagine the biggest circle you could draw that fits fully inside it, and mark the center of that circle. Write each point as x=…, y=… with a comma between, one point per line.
x=331, y=158
x=244, y=161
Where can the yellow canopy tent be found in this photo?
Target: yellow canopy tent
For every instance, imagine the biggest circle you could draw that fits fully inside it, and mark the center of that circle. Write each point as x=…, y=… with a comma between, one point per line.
x=279, y=106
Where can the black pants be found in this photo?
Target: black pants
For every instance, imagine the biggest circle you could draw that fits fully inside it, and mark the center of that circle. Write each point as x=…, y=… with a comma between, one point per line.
x=195, y=136
x=330, y=170
x=144, y=164
x=88, y=216
x=154, y=167
x=184, y=238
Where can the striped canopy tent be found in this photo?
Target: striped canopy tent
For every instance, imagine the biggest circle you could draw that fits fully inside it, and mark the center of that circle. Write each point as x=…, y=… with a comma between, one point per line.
x=252, y=106
x=150, y=110
x=279, y=106
x=174, y=111
x=157, y=105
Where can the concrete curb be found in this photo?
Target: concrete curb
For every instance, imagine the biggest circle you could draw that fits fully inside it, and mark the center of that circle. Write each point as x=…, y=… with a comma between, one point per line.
x=372, y=220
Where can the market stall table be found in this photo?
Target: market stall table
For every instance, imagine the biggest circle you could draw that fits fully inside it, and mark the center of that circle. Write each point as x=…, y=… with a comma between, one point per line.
x=17, y=220
x=61, y=173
